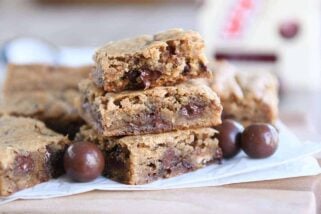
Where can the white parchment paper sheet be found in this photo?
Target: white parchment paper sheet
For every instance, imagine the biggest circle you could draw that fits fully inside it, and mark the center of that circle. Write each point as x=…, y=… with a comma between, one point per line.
x=292, y=159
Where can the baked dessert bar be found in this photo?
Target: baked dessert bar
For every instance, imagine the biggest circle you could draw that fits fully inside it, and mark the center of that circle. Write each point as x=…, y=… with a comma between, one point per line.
x=41, y=77
x=56, y=109
x=155, y=110
x=145, y=158
x=248, y=97
x=147, y=61
x=48, y=93
x=30, y=153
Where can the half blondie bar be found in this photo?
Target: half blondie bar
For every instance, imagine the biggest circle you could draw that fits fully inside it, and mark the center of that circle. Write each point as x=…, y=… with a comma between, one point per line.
x=42, y=77
x=30, y=153
x=247, y=96
x=145, y=158
x=48, y=93
x=164, y=59
x=56, y=109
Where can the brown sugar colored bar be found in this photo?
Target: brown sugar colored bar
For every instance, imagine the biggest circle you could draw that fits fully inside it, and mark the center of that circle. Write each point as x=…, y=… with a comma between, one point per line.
x=156, y=110
x=56, y=109
x=145, y=158
x=164, y=59
x=45, y=92
x=42, y=77
x=248, y=96
x=30, y=153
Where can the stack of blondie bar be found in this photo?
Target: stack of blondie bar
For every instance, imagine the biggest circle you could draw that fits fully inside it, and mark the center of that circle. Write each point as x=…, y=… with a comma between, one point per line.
x=145, y=111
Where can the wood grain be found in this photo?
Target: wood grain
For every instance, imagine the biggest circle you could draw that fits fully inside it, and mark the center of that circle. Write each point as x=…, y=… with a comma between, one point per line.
x=198, y=200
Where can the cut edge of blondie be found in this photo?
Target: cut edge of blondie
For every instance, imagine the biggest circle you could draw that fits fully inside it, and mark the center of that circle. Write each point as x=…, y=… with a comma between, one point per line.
x=176, y=107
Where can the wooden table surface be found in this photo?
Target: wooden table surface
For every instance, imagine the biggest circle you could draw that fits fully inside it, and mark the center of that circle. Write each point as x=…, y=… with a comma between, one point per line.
x=300, y=111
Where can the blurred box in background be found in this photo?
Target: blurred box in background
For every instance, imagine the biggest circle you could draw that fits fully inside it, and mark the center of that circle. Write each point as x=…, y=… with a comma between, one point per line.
x=282, y=36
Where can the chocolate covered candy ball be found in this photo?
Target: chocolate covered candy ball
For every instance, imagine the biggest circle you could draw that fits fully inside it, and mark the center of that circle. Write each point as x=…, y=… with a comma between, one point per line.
x=83, y=161
x=259, y=140
x=229, y=137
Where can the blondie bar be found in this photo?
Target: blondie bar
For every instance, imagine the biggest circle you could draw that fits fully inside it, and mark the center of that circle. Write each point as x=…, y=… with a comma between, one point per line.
x=47, y=93
x=155, y=110
x=246, y=96
x=41, y=77
x=30, y=153
x=147, y=61
x=56, y=109
x=145, y=158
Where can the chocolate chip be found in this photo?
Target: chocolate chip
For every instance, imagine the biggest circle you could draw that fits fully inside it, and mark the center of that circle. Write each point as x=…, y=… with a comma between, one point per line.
x=116, y=162
x=170, y=159
x=171, y=49
x=119, y=152
x=203, y=67
x=23, y=164
x=149, y=76
x=192, y=109
x=142, y=79
x=186, y=164
x=134, y=80
x=152, y=166
x=54, y=161
x=157, y=121
x=187, y=69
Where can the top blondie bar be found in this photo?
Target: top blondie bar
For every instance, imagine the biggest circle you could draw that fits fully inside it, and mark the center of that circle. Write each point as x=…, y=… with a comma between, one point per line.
x=147, y=61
